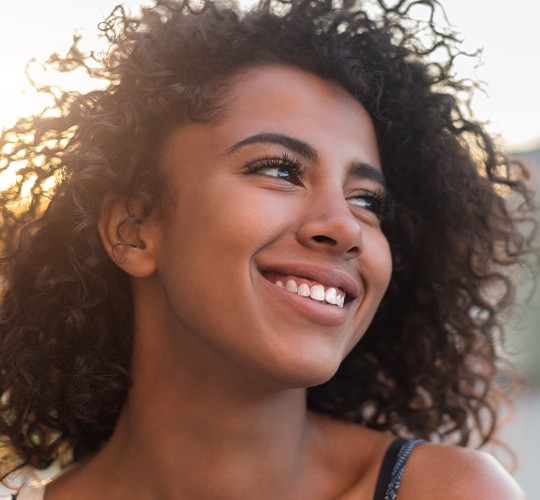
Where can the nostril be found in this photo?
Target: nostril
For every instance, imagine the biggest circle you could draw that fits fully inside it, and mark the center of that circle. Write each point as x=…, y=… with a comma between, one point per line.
x=324, y=239
x=355, y=250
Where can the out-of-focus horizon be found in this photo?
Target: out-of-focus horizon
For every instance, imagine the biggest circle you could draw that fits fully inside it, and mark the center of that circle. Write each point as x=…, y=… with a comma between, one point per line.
x=507, y=33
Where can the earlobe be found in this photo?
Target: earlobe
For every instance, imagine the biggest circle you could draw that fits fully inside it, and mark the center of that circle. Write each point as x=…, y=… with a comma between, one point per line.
x=129, y=239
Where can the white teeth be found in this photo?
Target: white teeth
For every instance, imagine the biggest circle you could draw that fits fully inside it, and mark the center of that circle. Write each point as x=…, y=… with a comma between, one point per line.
x=316, y=292
x=331, y=296
x=291, y=286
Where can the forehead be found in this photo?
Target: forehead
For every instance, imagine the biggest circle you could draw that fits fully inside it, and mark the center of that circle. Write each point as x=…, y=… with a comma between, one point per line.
x=282, y=101
x=300, y=104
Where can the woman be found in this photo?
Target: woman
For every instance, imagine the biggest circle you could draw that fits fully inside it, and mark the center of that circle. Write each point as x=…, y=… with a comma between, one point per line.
x=250, y=197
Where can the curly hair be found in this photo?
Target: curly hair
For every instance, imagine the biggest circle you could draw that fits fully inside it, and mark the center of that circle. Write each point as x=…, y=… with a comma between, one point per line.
x=427, y=364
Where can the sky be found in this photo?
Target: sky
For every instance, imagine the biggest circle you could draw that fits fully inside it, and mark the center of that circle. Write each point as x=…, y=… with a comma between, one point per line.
x=508, y=32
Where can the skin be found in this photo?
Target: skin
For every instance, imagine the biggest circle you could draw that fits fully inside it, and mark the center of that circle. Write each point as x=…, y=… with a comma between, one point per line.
x=222, y=356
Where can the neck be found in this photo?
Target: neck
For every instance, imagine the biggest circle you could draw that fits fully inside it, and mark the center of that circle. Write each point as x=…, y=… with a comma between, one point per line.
x=206, y=433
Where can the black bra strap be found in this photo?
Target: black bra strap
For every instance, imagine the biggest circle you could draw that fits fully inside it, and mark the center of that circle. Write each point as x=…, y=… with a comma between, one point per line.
x=386, y=468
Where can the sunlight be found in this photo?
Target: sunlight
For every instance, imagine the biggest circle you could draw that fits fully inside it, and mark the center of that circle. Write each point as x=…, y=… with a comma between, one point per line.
x=508, y=69
x=34, y=34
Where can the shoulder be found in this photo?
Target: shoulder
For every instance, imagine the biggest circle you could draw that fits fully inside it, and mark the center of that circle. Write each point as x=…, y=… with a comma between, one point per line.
x=455, y=473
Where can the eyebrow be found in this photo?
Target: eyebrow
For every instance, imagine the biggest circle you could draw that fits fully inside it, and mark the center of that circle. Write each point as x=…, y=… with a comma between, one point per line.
x=357, y=169
x=367, y=171
x=300, y=147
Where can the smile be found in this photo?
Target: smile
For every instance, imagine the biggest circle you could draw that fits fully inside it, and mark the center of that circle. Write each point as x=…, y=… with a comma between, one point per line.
x=318, y=292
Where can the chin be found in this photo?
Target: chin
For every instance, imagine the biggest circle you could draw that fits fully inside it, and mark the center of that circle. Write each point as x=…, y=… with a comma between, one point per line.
x=304, y=373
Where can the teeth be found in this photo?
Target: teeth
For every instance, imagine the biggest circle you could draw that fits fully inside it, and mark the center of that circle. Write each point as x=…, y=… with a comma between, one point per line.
x=316, y=292
x=290, y=286
x=331, y=296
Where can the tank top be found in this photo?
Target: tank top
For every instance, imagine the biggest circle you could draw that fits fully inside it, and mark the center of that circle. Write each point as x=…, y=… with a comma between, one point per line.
x=393, y=468
x=388, y=482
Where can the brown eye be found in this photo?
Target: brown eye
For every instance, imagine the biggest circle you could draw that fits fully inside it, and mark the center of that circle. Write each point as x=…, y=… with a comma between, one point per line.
x=372, y=201
x=278, y=172
x=282, y=167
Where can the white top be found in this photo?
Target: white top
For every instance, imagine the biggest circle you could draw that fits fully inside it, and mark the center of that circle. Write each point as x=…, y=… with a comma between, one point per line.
x=33, y=482
x=32, y=490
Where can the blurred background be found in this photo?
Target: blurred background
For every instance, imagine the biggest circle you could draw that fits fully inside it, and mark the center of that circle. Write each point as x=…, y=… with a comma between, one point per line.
x=507, y=33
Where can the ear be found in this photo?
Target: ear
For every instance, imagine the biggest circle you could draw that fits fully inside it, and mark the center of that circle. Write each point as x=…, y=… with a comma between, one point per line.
x=129, y=240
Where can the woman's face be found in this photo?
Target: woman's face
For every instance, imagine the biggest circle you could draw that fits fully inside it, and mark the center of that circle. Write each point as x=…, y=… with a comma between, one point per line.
x=271, y=260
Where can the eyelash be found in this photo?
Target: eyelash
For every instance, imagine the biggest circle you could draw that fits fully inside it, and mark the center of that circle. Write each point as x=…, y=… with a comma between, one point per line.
x=381, y=202
x=285, y=161
x=378, y=200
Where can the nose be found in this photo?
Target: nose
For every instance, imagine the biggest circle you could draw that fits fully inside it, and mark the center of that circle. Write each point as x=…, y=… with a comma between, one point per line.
x=330, y=226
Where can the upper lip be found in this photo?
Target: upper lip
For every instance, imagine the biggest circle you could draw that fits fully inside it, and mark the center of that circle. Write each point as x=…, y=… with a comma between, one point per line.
x=323, y=274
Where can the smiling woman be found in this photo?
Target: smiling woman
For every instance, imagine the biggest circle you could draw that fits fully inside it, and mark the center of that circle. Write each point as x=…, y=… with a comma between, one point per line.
x=270, y=250
x=251, y=208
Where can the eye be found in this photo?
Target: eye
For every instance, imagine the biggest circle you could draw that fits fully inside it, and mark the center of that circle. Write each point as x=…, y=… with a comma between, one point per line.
x=283, y=167
x=373, y=201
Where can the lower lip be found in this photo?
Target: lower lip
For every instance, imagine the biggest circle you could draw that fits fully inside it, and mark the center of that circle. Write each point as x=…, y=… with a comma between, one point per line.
x=316, y=312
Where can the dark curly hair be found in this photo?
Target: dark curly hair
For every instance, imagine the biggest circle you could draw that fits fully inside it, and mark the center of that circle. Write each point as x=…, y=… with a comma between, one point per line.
x=427, y=365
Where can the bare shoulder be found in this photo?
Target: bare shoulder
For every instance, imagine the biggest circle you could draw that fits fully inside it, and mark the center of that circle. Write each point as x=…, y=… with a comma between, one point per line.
x=455, y=473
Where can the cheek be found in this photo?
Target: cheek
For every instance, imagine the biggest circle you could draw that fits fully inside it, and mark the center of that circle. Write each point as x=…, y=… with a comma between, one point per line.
x=386, y=266
x=376, y=262
x=380, y=263
x=213, y=233
x=227, y=214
